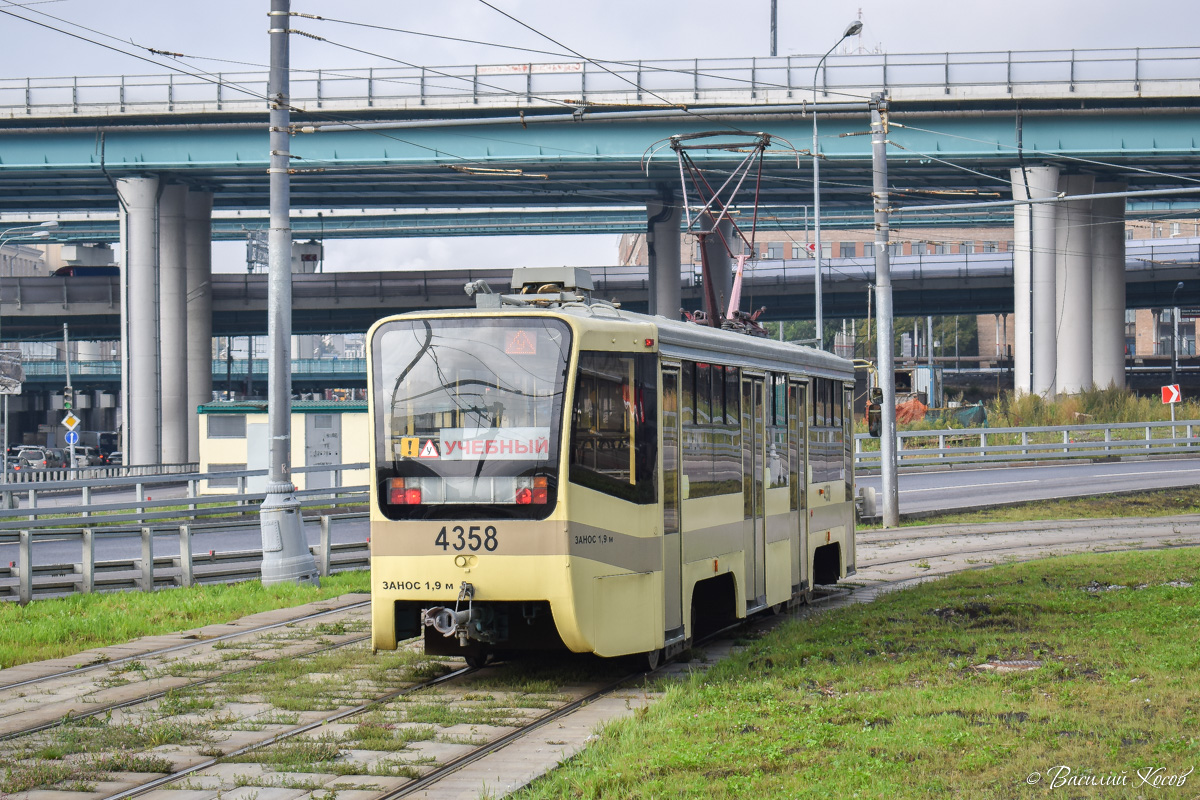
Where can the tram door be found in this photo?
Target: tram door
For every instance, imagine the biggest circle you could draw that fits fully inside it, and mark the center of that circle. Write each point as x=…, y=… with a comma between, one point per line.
x=798, y=434
x=753, y=490
x=671, y=460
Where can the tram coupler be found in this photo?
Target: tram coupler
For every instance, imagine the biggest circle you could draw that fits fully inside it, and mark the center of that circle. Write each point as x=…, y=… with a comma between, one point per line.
x=467, y=624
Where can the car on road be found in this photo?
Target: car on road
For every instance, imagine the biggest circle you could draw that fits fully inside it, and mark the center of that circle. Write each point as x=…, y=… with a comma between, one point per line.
x=86, y=456
x=56, y=457
x=116, y=458
x=41, y=458
x=30, y=458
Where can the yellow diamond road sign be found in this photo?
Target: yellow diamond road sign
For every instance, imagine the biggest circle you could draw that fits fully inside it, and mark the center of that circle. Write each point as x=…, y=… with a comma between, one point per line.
x=71, y=421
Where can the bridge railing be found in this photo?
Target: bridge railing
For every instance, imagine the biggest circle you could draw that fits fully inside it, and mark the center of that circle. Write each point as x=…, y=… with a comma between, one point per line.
x=566, y=84
x=1002, y=445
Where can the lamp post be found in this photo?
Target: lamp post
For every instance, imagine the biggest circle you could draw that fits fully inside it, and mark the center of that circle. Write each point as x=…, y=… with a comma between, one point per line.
x=851, y=29
x=1175, y=330
x=40, y=231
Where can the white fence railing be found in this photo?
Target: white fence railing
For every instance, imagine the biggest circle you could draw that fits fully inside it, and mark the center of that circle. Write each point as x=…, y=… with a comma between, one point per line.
x=1000, y=445
x=566, y=85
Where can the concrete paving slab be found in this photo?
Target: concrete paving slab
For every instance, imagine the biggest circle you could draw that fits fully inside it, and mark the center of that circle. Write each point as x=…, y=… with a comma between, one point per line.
x=517, y=765
x=262, y=793
x=178, y=794
x=292, y=780
x=231, y=774
x=375, y=783
x=440, y=751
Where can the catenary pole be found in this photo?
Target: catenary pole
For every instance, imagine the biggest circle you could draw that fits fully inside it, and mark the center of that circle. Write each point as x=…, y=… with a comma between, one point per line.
x=286, y=557
x=883, y=297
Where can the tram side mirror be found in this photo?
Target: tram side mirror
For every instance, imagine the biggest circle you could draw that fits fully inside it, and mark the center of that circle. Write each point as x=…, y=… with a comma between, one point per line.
x=874, y=419
x=877, y=395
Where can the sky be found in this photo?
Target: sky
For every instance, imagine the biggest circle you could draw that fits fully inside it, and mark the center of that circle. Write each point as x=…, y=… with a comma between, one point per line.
x=229, y=35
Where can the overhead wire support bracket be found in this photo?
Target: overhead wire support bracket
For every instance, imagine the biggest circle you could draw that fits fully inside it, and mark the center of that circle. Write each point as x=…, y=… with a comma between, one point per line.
x=715, y=206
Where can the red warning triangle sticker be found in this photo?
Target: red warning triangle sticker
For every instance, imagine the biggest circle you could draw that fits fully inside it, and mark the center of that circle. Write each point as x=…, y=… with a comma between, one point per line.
x=430, y=450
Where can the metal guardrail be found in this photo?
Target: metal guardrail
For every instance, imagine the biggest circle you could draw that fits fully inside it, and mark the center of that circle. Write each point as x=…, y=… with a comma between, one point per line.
x=1131, y=70
x=1000, y=445
x=150, y=572
x=111, y=368
x=88, y=475
x=144, y=510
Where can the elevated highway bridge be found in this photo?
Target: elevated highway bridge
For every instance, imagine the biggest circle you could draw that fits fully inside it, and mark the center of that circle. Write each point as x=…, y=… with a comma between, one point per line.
x=348, y=302
x=163, y=163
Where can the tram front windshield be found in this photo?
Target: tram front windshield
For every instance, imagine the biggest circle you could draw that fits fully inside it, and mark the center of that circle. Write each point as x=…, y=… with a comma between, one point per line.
x=468, y=415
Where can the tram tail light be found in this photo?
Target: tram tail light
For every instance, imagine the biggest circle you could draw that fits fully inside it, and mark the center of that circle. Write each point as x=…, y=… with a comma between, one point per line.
x=533, y=491
x=400, y=495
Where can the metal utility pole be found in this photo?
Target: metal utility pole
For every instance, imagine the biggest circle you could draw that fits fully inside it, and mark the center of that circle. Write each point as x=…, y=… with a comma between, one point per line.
x=1175, y=337
x=774, y=27
x=286, y=557
x=885, y=363
x=69, y=391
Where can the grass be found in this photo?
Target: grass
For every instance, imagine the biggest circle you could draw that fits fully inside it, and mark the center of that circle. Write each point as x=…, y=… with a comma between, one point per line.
x=1157, y=503
x=324, y=681
x=889, y=699
x=66, y=762
x=58, y=627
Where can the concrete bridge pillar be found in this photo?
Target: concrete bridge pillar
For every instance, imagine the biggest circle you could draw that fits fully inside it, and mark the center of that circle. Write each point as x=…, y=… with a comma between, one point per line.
x=198, y=244
x=1108, y=287
x=662, y=245
x=139, y=317
x=172, y=328
x=720, y=263
x=1035, y=353
x=1073, y=286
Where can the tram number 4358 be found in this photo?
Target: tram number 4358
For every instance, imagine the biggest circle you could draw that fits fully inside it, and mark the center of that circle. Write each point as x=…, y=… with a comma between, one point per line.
x=473, y=538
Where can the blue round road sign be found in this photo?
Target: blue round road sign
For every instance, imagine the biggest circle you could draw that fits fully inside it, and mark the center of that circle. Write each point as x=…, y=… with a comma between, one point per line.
x=72, y=437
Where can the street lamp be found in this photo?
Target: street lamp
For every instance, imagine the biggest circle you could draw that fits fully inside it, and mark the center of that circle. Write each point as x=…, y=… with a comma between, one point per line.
x=40, y=231
x=1175, y=330
x=851, y=29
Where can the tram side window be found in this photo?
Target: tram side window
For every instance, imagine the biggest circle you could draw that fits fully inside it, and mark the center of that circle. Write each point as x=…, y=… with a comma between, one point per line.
x=711, y=445
x=825, y=437
x=614, y=425
x=777, y=434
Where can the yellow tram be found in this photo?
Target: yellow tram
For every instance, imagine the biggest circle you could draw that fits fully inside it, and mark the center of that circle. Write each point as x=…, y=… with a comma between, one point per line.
x=552, y=472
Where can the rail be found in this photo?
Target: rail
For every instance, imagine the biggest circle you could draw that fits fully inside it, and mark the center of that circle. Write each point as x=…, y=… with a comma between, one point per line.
x=567, y=85
x=1002, y=445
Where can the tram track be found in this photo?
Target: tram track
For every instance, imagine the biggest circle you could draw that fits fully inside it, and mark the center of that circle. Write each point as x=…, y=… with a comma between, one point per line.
x=106, y=708
x=453, y=746
x=287, y=735
x=993, y=550
x=163, y=651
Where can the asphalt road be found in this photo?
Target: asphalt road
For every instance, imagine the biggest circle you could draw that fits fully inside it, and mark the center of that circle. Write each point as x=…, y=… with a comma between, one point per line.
x=947, y=490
